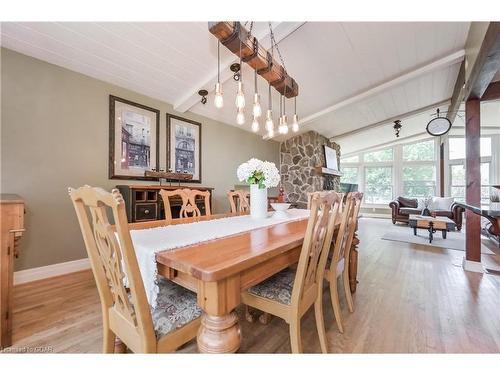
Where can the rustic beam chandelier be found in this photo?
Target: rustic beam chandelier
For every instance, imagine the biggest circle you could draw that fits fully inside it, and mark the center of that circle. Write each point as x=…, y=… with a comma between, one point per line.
x=240, y=41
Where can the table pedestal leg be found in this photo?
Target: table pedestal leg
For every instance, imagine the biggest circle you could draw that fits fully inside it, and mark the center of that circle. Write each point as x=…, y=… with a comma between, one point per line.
x=219, y=334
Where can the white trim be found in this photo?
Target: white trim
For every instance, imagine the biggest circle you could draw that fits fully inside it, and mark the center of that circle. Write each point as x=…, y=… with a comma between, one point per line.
x=472, y=266
x=39, y=273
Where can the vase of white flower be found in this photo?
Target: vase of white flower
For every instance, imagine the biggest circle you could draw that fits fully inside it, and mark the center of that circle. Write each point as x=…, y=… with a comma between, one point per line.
x=261, y=175
x=258, y=202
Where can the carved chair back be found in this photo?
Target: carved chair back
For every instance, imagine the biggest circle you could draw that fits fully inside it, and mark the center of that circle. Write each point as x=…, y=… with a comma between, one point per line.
x=320, y=227
x=189, y=207
x=322, y=193
x=238, y=201
x=112, y=256
x=347, y=228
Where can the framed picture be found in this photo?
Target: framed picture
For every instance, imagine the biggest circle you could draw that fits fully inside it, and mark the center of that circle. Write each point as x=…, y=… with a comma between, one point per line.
x=133, y=139
x=184, y=146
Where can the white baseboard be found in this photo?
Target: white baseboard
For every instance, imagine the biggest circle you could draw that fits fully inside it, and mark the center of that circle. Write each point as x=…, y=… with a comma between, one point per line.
x=39, y=273
x=472, y=266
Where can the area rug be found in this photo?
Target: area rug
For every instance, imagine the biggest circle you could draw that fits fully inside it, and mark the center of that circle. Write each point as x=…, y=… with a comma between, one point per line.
x=454, y=240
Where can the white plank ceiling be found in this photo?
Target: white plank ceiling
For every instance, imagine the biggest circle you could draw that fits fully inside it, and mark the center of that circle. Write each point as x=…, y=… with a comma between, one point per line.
x=351, y=75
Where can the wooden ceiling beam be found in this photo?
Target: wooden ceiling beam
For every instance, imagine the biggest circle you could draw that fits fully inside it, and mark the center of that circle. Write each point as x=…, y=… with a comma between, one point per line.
x=236, y=38
x=486, y=64
x=458, y=94
x=281, y=31
x=492, y=92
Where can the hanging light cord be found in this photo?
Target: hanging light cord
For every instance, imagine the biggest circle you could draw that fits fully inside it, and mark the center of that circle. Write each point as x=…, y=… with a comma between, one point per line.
x=270, y=101
x=218, y=61
x=255, y=81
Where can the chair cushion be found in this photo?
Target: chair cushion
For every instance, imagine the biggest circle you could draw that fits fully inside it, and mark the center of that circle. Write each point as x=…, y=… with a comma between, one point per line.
x=407, y=202
x=277, y=287
x=441, y=203
x=176, y=306
x=410, y=211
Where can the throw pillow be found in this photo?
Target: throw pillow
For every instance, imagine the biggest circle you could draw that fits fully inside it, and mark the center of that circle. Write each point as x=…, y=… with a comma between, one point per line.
x=441, y=203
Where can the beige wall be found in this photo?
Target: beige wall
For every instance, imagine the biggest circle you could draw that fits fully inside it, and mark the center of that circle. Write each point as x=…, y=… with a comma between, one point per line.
x=54, y=134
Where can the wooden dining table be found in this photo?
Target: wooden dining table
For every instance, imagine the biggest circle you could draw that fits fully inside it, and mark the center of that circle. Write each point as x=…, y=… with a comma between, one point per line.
x=219, y=270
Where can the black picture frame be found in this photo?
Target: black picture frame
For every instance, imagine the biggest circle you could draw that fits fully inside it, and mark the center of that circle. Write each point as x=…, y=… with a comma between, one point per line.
x=112, y=174
x=170, y=163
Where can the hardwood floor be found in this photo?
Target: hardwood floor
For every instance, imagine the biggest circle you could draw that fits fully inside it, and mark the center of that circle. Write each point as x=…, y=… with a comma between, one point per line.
x=411, y=299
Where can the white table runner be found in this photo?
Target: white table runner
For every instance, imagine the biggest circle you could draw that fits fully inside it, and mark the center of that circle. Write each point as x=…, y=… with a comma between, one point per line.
x=147, y=242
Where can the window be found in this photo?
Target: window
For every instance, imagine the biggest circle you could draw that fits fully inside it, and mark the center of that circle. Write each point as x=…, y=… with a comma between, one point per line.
x=350, y=175
x=351, y=159
x=456, y=147
x=422, y=151
x=380, y=155
x=458, y=182
x=378, y=185
x=419, y=181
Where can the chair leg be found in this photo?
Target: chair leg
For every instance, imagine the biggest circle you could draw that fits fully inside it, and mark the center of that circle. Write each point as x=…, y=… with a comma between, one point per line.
x=265, y=318
x=347, y=289
x=120, y=347
x=108, y=341
x=248, y=315
x=320, y=323
x=335, y=303
x=295, y=339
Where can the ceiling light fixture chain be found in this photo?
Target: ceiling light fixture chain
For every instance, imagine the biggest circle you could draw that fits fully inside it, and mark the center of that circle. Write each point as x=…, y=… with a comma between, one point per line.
x=275, y=44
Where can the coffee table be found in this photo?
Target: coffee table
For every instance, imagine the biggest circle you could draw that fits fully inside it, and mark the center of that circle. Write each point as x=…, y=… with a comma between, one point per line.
x=432, y=224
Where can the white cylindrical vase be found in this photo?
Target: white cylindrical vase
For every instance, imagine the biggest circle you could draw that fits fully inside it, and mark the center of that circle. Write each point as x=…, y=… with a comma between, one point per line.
x=258, y=202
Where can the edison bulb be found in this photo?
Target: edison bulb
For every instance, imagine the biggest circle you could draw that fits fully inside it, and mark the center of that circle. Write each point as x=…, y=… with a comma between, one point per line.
x=240, y=96
x=240, y=117
x=269, y=120
x=218, y=100
x=257, y=110
x=255, y=125
x=295, y=124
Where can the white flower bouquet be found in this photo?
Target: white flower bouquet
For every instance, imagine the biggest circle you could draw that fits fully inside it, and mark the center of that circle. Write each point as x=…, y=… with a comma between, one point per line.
x=263, y=173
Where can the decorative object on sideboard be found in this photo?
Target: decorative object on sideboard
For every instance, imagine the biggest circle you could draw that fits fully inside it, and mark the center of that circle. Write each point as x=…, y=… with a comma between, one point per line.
x=169, y=176
x=397, y=127
x=184, y=146
x=133, y=139
x=243, y=44
x=261, y=175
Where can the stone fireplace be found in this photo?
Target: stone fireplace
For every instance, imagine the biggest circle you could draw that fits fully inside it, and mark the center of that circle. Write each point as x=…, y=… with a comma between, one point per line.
x=299, y=158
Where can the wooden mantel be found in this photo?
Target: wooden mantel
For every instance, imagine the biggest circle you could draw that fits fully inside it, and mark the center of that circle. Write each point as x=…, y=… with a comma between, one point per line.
x=321, y=171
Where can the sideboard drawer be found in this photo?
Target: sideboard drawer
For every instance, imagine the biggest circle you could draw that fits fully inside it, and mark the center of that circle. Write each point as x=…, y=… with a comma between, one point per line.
x=145, y=211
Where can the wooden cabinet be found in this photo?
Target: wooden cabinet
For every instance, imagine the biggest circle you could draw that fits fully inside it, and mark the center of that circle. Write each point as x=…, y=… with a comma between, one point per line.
x=12, y=227
x=144, y=203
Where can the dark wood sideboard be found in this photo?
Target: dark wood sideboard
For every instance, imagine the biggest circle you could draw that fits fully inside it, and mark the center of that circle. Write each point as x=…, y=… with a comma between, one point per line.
x=144, y=203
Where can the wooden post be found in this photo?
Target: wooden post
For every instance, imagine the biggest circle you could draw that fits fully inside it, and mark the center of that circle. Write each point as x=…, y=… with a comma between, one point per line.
x=472, y=180
x=441, y=167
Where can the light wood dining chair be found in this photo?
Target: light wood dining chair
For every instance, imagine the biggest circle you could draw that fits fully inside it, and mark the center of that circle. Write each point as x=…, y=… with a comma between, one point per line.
x=126, y=312
x=189, y=207
x=238, y=201
x=339, y=262
x=322, y=193
x=290, y=293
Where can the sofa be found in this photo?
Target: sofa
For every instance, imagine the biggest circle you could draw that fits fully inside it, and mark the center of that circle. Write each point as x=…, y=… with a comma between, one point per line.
x=403, y=207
